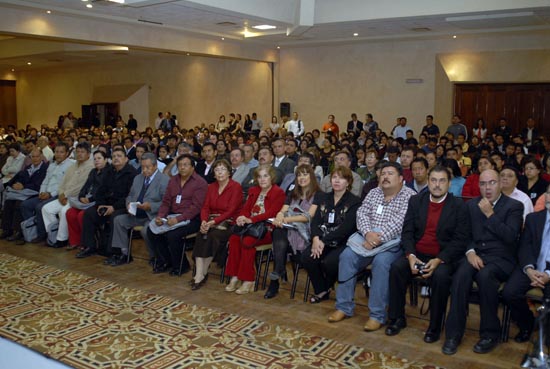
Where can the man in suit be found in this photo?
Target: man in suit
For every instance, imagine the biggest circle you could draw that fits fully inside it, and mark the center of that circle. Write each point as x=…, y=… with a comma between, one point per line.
x=110, y=201
x=281, y=161
x=434, y=238
x=529, y=133
x=239, y=169
x=147, y=190
x=343, y=158
x=532, y=271
x=265, y=156
x=496, y=221
x=129, y=147
x=354, y=126
x=204, y=168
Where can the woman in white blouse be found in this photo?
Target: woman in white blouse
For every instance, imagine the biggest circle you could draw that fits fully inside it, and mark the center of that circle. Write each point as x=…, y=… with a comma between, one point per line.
x=14, y=162
x=480, y=130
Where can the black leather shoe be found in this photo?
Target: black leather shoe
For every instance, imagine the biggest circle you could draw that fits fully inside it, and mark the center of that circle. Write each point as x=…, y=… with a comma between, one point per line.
x=395, y=326
x=485, y=345
x=450, y=346
x=160, y=268
x=85, y=253
x=196, y=286
x=431, y=336
x=59, y=244
x=272, y=290
x=523, y=336
x=121, y=260
x=20, y=241
x=110, y=261
x=38, y=240
x=14, y=237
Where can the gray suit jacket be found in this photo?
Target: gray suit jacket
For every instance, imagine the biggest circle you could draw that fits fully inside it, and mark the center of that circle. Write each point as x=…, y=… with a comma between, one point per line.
x=286, y=166
x=154, y=193
x=240, y=174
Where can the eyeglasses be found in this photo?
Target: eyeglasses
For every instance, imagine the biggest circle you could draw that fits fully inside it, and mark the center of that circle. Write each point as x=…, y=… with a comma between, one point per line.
x=488, y=183
x=220, y=170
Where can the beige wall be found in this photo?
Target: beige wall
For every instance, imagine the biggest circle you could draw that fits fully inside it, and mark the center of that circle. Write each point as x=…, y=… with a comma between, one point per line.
x=138, y=105
x=196, y=89
x=364, y=78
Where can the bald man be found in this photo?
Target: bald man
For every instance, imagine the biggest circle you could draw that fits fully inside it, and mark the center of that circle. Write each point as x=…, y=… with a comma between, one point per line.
x=496, y=222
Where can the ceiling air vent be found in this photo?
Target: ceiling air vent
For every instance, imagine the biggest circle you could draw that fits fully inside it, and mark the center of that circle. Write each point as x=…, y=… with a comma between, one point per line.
x=421, y=29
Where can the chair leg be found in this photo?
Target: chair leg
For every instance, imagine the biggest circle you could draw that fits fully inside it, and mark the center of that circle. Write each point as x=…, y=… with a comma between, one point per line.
x=258, y=270
x=294, y=280
x=266, y=270
x=182, y=257
x=306, y=291
x=130, y=245
x=506, y=320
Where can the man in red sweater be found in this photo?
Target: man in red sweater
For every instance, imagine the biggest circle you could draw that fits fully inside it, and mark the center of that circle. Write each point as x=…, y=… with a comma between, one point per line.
x=434, y=238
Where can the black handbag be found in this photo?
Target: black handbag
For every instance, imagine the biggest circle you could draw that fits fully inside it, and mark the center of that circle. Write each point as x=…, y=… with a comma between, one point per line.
x=256, y=230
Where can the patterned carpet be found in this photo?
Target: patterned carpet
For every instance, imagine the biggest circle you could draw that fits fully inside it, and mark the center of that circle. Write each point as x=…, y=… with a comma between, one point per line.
x=91, y=323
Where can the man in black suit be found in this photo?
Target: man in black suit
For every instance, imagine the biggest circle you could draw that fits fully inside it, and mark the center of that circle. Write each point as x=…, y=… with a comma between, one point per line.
x=204, y=168
x=529, y=133
x=132, y=123
x=434, y=238
x=532, y=270
x=130, y=148
x=281, y=161
x=496, y=221
x=354, y=126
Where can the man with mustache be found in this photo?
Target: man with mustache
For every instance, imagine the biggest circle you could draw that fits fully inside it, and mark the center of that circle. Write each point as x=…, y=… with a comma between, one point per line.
x=380, y=221
x=434, y=238
x=532, y=271
x=496, y=221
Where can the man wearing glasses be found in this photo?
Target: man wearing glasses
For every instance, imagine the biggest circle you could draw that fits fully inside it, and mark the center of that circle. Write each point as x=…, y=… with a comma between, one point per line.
x=496, y=222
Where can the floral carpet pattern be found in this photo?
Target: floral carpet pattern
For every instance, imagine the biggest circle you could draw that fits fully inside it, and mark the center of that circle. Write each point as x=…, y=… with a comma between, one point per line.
x=86, y=322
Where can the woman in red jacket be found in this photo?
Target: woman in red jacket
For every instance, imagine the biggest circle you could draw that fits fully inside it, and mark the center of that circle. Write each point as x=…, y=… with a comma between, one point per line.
x=224, y=199
x=264, y=202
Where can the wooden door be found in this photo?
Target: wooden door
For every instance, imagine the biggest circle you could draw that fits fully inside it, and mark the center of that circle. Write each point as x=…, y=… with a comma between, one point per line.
x=8, y=106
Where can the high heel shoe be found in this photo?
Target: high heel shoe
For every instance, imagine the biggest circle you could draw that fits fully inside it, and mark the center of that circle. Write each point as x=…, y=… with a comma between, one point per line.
x=315, y=299
x=232, y=286
x=245, y=288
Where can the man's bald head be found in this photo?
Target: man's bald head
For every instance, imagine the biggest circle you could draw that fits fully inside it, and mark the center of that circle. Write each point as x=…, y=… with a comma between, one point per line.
x=489, y=185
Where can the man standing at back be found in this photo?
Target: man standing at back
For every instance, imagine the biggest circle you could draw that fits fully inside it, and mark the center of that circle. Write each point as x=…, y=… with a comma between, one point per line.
x=496, y=221
x=457, y=127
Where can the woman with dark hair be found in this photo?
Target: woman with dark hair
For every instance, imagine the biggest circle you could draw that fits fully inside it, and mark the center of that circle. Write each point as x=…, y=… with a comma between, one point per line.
x=297, y=212
x=264, y=202
x=223, y=201
x=471, y=186
x=247, y=123
x=222, y=124
x=333, y=223
x=531, y=182
x=480, y=130
x=440, y=152
x=457, y=180
x=75, y=216
x=221, y=150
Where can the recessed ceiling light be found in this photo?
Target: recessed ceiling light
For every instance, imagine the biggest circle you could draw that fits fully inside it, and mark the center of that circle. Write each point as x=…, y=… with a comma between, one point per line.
x=188, y=54
x=223, y=38
x=117, y=1
x=454, y=36
x=264, y=27
x=13, y=70
x=355, y=34
x=29, y=63
x=89, y=6
x=278, y=47
x=85, y=0
x=49, y=11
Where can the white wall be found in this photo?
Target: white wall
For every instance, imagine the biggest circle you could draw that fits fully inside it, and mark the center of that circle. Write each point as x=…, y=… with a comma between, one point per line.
x=138, y=105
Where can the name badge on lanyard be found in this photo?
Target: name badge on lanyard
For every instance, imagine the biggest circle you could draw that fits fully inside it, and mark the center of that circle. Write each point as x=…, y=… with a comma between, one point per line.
x=178, y=199
x=379, y=209
x=331, y=216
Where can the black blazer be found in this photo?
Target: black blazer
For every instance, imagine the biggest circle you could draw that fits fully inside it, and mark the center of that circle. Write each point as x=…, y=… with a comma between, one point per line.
x=496, y=238
x=531, y=239
x=200, y=168
x=452, y=230
x=359, y=126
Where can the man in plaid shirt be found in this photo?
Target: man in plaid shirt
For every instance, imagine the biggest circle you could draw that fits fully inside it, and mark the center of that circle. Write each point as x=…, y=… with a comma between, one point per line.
x=380, y=221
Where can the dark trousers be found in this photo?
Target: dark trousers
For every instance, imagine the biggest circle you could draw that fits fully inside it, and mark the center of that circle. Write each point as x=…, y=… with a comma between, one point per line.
x=168, y=247
x=11, y=217
x=488, y=281
x=91, y=221
x=323, y=271
x=514, y=296
x=440, y=284
x=280, y=250
x=33, y=207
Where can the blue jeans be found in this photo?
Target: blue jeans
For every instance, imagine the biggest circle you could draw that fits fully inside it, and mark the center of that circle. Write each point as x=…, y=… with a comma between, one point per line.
x=350, y=264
